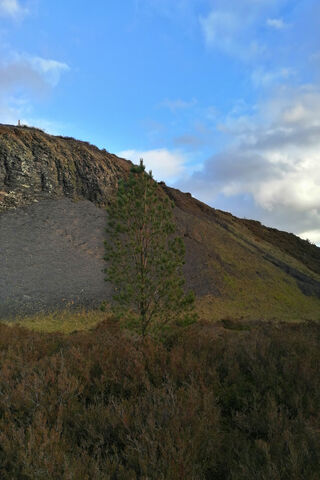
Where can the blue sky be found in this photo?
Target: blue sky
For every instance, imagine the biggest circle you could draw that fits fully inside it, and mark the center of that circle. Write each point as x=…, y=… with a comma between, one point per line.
x=220, y=97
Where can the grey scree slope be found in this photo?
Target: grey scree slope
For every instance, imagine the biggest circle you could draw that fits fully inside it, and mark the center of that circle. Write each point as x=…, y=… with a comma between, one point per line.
x=51, y=253
x=51, y=257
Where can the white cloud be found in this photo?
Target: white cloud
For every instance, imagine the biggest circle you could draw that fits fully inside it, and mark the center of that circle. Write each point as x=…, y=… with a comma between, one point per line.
x=178, y=104
x=51, y=69
x=22, y=78
x=166, y=165
x=276, y=23
x=30, y=72
x=314, y=57
x=219, y=27
x=236, y=27
x=312, y=235
x=229, y=32
x=263, y=78
x=12, y=8
x=20, y=73
x=275, y=159
x=231, y=29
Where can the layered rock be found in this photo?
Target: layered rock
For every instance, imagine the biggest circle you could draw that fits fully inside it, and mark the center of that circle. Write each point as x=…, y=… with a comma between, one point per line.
x=35, y=166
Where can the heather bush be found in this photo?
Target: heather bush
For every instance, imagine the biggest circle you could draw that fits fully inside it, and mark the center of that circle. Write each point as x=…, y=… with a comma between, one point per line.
x=208, y=403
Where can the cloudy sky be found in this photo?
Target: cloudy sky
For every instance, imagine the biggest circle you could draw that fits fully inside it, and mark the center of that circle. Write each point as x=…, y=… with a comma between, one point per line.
x=220, y=97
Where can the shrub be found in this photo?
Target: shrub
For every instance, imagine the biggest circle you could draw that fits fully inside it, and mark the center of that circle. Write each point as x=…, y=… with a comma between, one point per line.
x=210, y=403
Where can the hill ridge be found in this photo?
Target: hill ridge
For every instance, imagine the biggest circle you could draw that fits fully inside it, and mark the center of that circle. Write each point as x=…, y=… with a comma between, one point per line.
x=52, y=189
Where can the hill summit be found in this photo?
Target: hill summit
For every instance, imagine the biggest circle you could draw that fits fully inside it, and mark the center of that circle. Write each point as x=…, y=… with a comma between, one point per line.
x=52, y=226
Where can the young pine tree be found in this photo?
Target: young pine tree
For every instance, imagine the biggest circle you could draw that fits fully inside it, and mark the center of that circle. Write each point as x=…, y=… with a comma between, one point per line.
x=144, y=256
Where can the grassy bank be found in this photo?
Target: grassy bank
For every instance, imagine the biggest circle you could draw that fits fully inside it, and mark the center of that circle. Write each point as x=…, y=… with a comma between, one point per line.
x=64, y=321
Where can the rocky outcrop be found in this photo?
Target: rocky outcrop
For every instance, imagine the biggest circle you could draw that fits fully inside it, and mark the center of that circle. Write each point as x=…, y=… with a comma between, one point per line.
x=35, y=166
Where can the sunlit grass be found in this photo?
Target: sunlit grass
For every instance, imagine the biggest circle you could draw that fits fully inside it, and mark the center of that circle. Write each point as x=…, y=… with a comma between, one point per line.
x=208, y=308
x=65, y=321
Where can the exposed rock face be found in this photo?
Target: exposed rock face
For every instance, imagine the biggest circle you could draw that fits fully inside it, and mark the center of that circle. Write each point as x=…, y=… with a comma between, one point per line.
x=52, y=231
x=34, y=166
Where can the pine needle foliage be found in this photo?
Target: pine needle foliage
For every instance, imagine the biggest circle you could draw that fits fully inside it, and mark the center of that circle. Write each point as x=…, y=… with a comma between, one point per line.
x=144, y=256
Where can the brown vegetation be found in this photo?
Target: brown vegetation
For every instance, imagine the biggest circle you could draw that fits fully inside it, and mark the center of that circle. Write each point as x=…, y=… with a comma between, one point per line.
x=226, y=401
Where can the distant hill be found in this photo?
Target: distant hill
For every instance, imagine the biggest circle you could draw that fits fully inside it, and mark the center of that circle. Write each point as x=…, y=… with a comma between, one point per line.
x=52, y=194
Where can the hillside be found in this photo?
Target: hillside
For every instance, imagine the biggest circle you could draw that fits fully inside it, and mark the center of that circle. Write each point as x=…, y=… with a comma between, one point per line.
x=52, y=190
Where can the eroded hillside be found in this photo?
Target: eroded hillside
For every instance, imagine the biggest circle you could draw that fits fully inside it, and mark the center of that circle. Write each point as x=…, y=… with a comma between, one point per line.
x=36, y=166
x=52, y=191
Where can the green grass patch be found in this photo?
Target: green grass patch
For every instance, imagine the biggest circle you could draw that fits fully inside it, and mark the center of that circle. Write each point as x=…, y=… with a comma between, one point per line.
x=65, y=321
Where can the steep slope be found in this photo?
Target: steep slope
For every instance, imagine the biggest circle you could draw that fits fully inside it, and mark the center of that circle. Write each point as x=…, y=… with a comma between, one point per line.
x=35, y=166
x=52, y=230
